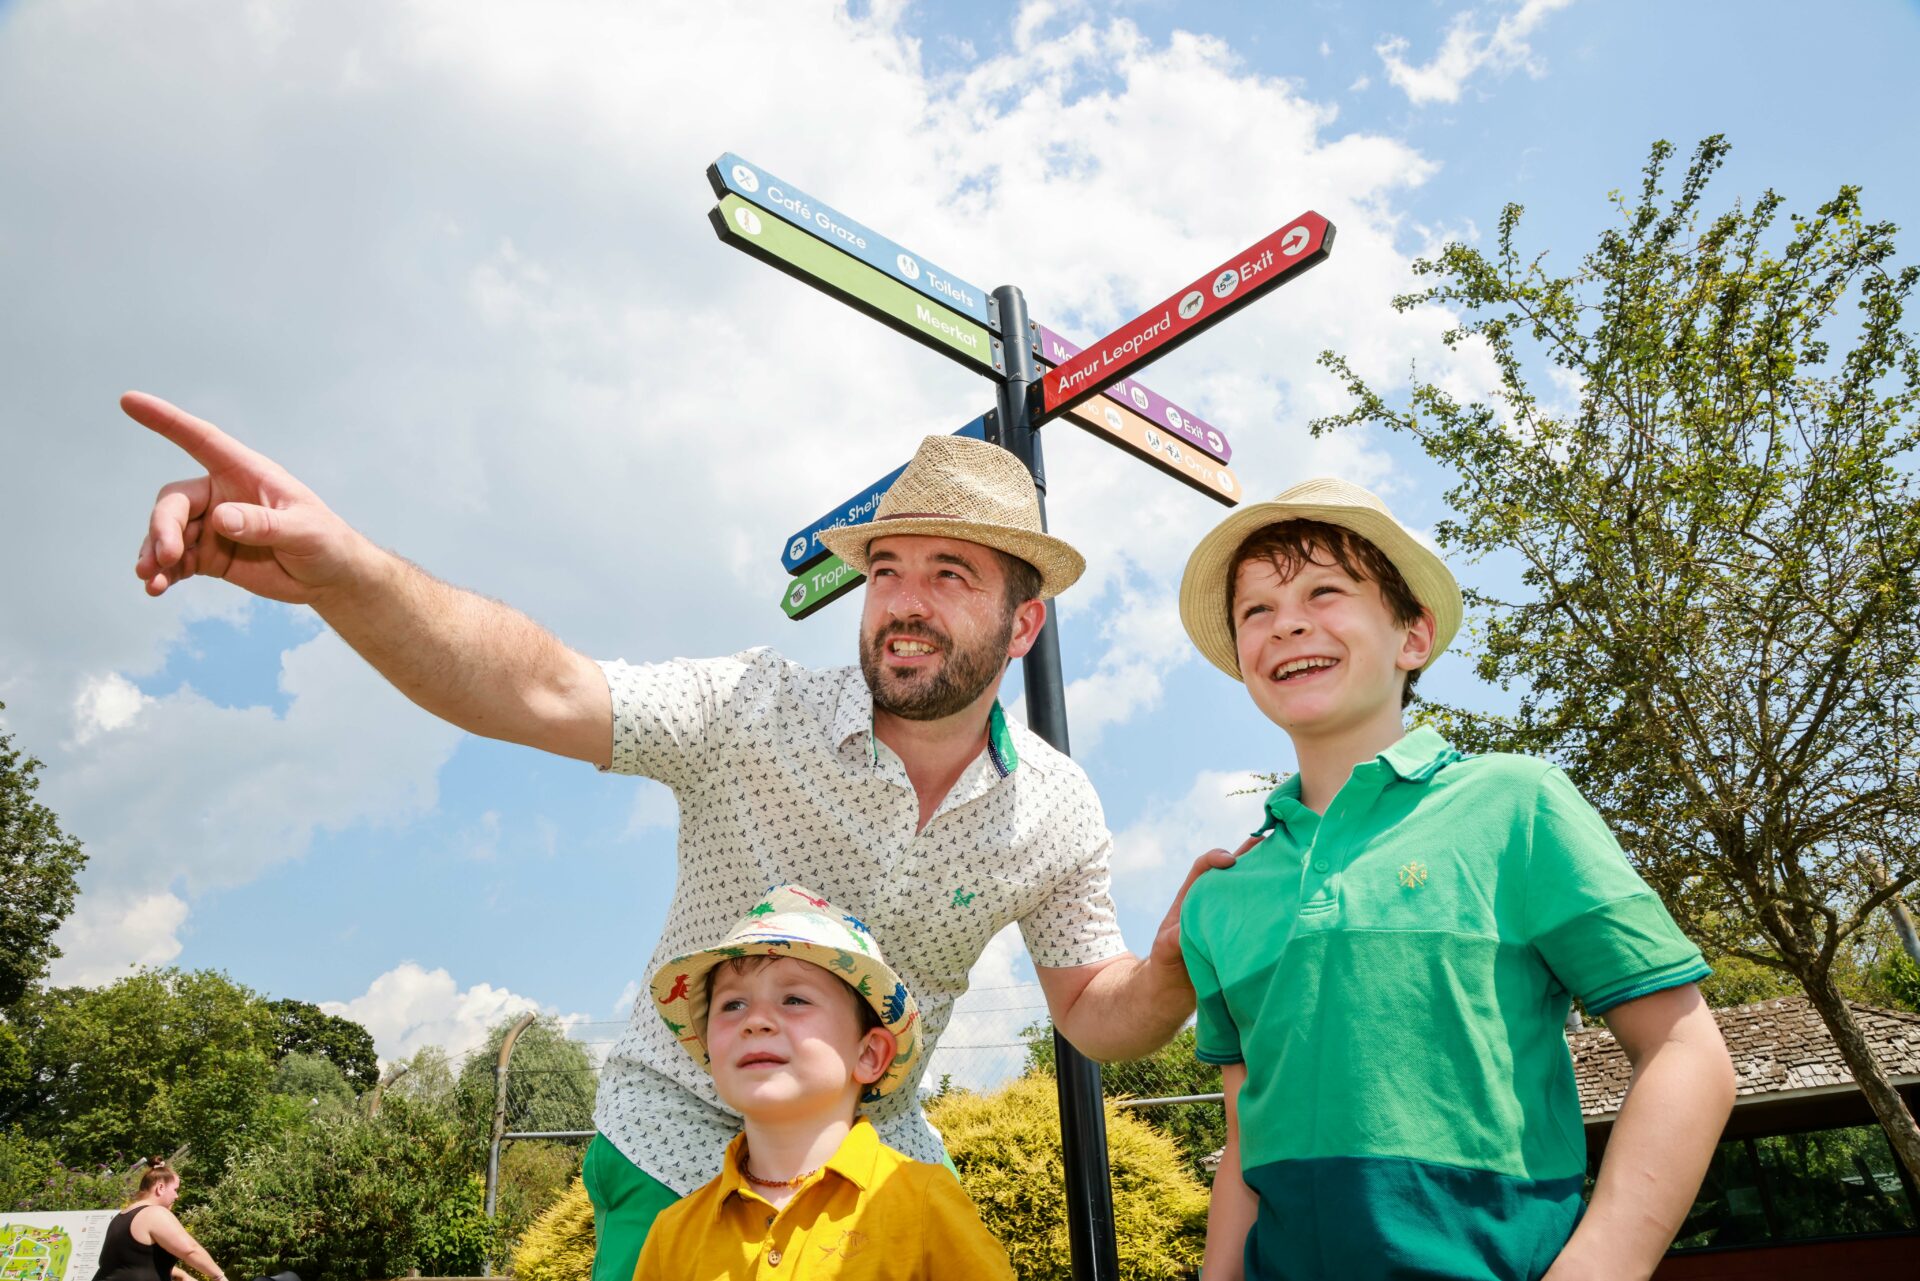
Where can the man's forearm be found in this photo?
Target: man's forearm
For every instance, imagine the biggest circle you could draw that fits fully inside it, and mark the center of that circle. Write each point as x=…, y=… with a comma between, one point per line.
x=472, y=661
x=1129, y=1009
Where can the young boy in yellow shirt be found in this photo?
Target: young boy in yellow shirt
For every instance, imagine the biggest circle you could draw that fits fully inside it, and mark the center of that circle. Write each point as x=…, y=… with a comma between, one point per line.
x=1384, y=979
x=800, y=1020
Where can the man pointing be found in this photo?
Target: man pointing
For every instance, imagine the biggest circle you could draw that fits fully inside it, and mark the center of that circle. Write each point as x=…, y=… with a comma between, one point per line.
x=896, y=788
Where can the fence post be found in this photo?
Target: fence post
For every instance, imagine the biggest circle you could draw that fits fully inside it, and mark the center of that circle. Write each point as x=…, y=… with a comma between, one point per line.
x=499, y=1124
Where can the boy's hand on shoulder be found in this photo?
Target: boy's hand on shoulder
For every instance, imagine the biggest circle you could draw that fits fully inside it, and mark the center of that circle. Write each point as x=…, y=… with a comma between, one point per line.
x=1166, y=939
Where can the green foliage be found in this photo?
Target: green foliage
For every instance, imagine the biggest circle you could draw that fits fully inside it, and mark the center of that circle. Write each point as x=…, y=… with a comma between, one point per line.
x=550, y=1082
x=1172, y=1071
x=457, y=1240
x=342, y=1199
x=38, y=867
x=1006, y=1146
x=33, y=1178
x=303, y=1028
x=559, y=1246
x=533, y=1175
x=312, y=1081
x=425, y=1079
x=151, y=1061
x=1714, y=522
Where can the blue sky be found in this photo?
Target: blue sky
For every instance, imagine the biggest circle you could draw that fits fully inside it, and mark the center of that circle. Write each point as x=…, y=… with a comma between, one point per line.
x=449, y=263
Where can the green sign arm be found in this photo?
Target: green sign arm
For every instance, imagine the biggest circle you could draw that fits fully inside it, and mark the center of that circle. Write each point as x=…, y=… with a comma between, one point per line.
x=785, y=247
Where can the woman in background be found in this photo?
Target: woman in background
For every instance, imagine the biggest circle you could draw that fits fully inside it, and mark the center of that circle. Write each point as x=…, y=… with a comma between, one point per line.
x=144, y=1240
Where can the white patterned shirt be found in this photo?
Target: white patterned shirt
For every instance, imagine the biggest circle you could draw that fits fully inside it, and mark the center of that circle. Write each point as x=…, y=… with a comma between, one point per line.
x=781, y=780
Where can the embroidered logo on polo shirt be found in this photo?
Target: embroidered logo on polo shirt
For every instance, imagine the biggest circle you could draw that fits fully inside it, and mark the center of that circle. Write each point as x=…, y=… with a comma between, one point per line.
x=1413, y=875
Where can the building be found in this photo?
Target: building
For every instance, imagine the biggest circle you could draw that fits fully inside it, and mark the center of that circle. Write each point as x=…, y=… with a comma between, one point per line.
x=1804, y=1183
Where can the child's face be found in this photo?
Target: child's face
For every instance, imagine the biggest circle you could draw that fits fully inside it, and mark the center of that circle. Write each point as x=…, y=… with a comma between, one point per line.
x=1320, y=652
x=784, y=1041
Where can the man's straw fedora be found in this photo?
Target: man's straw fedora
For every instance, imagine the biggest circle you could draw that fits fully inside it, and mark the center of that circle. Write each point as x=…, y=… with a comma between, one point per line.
x=957, y=487
x=1203, y=590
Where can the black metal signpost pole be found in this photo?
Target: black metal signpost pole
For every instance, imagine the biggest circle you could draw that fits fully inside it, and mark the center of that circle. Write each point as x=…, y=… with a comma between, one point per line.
x=1083, y=1120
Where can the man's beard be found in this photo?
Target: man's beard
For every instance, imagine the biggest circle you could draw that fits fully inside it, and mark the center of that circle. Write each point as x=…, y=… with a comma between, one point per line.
x=963, y=676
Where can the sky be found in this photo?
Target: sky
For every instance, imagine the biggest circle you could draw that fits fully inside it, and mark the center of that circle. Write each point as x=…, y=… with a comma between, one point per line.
x=448, y=262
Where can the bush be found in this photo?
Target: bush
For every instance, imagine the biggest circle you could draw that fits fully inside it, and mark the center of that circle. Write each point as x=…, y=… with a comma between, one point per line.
x=1006, y=1147
x=559, y=1245
x=457, y=1239
x=33, y=1178
x=343, y=1199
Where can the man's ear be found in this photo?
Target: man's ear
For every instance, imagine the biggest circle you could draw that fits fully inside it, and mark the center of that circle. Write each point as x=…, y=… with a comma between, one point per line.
x=877, y=1049
x=1028, y=619
x=1418, y=647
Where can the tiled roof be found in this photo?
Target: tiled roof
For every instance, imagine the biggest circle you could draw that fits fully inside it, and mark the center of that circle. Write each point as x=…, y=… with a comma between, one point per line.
x=1776, y=1045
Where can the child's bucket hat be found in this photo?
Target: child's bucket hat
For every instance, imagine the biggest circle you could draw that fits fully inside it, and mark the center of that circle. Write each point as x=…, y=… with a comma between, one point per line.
x=1203, y=590
x=793, y=921
x=957, y=487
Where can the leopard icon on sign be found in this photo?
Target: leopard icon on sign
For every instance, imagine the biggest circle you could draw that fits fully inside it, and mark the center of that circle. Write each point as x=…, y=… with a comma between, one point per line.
x=746, y=179
x=1190, y=305
x=797, y=597
x=1138, y=395
x=1294, y=241
x=908, y=267
x=748, y=220
x=1225, y=283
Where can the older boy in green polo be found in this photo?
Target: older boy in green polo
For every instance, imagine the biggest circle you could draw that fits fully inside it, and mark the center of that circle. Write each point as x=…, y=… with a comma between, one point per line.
x=1386, y=976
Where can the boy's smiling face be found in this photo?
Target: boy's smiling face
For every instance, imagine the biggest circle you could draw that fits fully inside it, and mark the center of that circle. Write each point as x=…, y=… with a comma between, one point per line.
x=1320, y=651
x=785, y=1040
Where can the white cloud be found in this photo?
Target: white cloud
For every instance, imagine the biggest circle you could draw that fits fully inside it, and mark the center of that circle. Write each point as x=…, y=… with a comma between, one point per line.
x=410, y=1006
x=118, y=933
x=107, y=703
x=1467, y=50
x=193, y=796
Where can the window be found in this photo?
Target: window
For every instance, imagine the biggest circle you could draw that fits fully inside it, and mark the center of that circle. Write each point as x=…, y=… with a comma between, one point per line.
x=1794, y=1187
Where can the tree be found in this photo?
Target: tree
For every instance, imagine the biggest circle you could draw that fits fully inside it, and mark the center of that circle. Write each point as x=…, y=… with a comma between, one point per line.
x=149, y=1062
x=550, y=1082
x=38, y=867
x=1718, y=627
x=303, y=1028
x=345, y=1198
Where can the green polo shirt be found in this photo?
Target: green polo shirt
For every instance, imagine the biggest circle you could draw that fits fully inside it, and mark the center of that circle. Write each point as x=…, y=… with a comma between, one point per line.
x=1396, y=976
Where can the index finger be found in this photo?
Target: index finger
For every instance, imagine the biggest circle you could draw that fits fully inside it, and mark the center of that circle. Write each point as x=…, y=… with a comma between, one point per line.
x=203, y=442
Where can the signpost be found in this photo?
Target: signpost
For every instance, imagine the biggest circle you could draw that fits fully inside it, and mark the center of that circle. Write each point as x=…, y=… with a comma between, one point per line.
x=1053, y=350
x=1278, y=258
x=1154, y=445
x=826, y=582
x=732, y=175
x=815, y=243
x=780, y=244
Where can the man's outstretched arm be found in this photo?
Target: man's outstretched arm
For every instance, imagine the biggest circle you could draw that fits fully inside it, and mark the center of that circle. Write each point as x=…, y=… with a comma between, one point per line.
x=1129, y=1006
x=474, y=662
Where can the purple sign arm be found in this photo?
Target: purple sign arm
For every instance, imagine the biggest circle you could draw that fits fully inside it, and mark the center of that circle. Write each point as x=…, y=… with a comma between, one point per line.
x=1052, y=349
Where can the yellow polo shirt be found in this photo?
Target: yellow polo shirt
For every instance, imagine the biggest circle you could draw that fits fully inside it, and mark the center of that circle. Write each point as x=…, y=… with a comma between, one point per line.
x=868, y=1214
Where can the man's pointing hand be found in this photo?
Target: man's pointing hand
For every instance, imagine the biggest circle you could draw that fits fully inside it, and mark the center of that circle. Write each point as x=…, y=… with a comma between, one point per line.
x=246, y=520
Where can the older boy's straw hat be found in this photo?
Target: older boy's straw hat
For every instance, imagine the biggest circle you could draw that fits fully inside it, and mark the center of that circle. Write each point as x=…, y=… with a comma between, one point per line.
x=1203, y=591
x=794, y=921
x=958, y=487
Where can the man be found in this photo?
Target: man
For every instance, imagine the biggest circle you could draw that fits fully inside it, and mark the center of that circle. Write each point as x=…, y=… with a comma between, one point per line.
x=896, y=789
